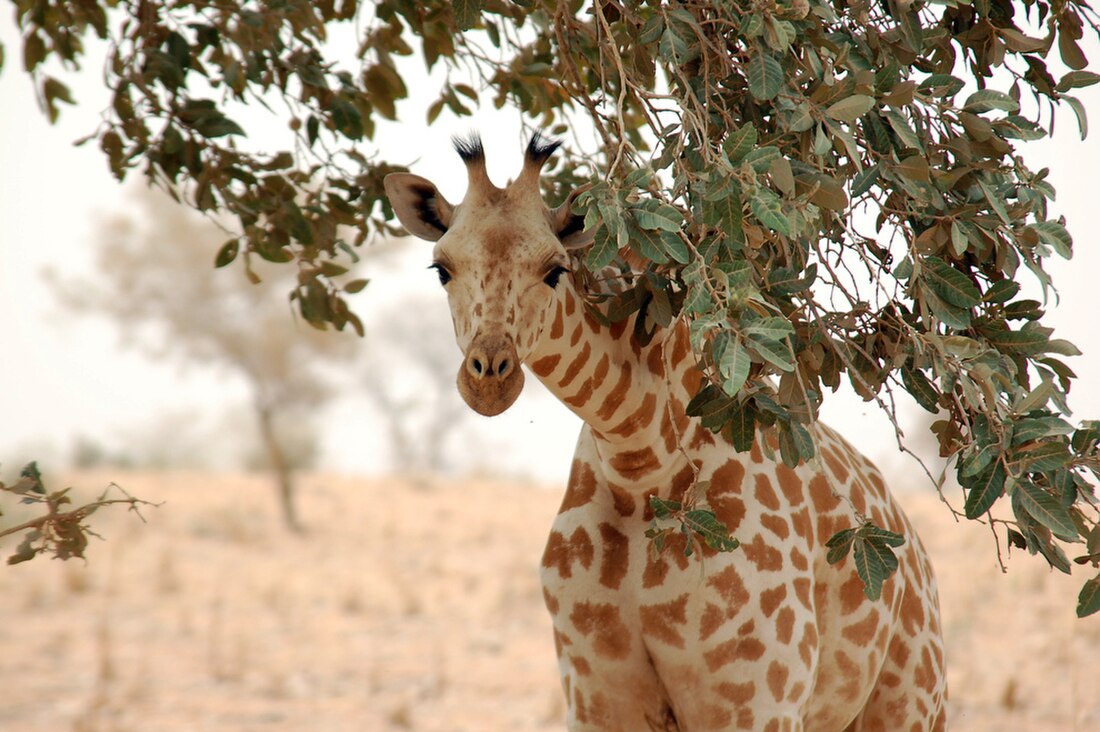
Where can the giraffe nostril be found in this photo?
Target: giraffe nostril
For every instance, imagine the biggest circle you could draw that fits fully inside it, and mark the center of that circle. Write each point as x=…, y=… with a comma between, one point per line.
x=502, y=368
x=477, y=366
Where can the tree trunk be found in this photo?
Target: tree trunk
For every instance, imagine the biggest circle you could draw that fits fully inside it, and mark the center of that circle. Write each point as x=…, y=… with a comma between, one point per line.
x=283, y=474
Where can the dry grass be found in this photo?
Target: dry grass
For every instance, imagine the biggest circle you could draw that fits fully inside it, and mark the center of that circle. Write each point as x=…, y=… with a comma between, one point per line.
x=414, y=605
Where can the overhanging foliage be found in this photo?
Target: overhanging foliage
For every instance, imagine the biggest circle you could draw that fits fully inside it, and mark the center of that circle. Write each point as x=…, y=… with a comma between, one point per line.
x=824, y=190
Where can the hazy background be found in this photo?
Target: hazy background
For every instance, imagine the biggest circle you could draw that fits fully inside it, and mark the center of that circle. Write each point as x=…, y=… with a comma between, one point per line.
x=73, y=384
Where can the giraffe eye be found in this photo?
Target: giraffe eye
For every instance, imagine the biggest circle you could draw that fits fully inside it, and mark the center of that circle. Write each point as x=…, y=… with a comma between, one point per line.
x=444, y=275
x=554, y=275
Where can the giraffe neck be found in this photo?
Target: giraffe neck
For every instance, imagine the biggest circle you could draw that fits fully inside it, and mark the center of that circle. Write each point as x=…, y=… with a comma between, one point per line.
x=633, y=397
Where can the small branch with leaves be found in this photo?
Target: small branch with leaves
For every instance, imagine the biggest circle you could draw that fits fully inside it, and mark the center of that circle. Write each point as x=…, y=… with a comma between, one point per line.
x=699, y=526
x=62, y=533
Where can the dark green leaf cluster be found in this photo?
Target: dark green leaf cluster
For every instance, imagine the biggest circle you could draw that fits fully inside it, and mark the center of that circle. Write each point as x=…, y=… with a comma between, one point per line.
x=824, y=191
x=872, y=550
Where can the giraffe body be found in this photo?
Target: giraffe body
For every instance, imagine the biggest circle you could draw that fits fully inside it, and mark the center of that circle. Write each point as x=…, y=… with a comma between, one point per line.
x=769, y=636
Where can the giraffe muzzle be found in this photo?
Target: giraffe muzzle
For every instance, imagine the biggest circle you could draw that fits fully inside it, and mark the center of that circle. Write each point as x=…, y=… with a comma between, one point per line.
x=490, y=379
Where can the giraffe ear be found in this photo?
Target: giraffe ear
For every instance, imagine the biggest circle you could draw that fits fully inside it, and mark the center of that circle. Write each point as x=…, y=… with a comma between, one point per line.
x=570, y=226
x=419, y=205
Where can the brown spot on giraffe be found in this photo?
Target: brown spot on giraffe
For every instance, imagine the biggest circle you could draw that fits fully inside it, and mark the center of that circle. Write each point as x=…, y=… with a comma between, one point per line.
x=761, y=553
x=851, y=595
x=860, y=633
x=662, y=621
x=576, y=366
x=637, y=419
x=655, y=361
x=602, y=622
x=712, y=620
x=765, y=494
x=578, y=333
x=736, y=693
x=777, y=679
x=552, y=603
x=545, y=366
x=808, y=645
x=622, y=500
x=681, y=482
x=836, y=464
x=770, y=599
x=557, y=328
x=784, y=625
x=790, y=484
x=700, y=436
x=581, y=487
x=614, y=398
x=562, y=553
x=635, y=464
x=748, y=649
x=730, y=587
x=776, y=524
x=821, y=493
x=799, y=560
x=615, y=556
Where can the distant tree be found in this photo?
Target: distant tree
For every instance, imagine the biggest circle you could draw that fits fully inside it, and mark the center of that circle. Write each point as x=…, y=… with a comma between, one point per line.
x=824, y=190
x=154, y=280
x=412, y=381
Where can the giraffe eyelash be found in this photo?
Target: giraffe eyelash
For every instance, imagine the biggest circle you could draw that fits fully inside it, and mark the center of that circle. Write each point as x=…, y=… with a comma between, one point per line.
x=551, y=278
x=444, y=275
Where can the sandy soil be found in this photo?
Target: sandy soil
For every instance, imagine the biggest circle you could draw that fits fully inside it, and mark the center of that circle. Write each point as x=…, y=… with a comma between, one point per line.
x=415, y=605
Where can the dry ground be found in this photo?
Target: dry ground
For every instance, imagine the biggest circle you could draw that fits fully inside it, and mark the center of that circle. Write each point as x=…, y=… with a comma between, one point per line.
x=415, y=605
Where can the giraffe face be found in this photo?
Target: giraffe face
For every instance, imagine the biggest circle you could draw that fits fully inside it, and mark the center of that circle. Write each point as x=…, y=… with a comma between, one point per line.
x=501, y=255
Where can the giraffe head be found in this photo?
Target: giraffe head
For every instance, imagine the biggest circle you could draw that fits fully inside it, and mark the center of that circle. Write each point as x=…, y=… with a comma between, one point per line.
x=500, y=254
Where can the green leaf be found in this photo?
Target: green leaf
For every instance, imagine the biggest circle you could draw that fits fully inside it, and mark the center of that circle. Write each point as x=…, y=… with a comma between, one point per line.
x=733, y=362
x=467, y=13
x=1055, y=235
x=760, y=159
x=839, y=545
x=950, y=284
x=604, y=249
x=713, y=532
x=774, y=328
x=850, y=108
x=741, y=427
x=1088, y=601
x=739, y=143
x=875, y=562
x=663, y=508
x=984, y=490
x=1001, y=291
x=1049, y=455
x=1018, y=341
x=656, y=215
x=765, y=75
x=918, y=385
x=768, y=209
x=864, y=179
x=1046, y=509
x=1077, y=80
x=227, y=253
x=778, y=354
x=987, y=100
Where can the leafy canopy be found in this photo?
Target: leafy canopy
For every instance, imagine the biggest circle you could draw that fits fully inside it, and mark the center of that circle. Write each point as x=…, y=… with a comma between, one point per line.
x=824, y=190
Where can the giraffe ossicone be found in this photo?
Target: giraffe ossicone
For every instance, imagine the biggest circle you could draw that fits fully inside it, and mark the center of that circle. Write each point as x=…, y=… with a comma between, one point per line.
x=767, y=637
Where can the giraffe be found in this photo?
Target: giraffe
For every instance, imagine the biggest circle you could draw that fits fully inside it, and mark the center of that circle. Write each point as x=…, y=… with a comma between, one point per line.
x=769, y=636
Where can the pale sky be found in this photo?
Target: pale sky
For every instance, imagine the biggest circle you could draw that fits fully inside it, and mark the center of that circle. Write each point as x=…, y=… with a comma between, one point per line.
x=64, y=376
